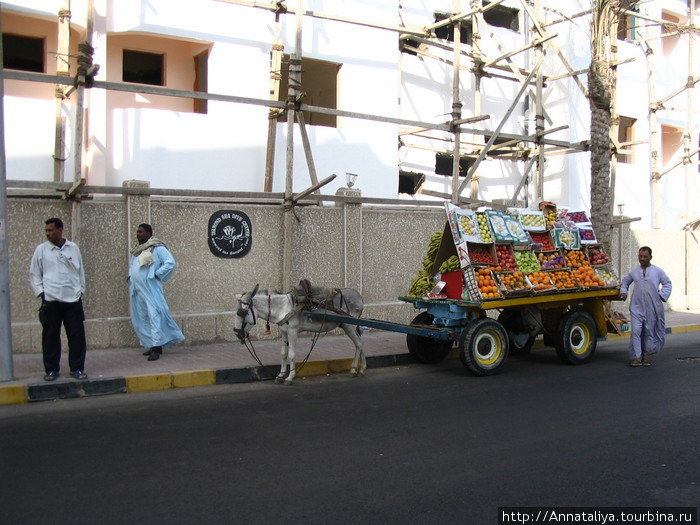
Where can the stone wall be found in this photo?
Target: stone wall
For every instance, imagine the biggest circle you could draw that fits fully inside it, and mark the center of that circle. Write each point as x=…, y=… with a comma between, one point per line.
x=375, y=250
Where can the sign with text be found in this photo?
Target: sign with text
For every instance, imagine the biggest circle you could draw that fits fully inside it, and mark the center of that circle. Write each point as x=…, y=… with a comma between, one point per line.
x=230, y=234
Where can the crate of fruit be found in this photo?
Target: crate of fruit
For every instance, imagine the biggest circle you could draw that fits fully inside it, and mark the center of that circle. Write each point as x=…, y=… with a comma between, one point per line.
x=549, y=210
x=564, y=280
x=526, y=260
x=485, y=234
x=482, y=254
x=513, y=283
x=533, y=221
x=586, y=233
x=587, y=278
x=541, y=282
x=608, y=275
x=506, y=259
x=470, y=291
x=506, y=227
x=576, y=258
x=577, y=216
x=551, y=260
x=544, y=239
x=596, y=255
x=488, y=288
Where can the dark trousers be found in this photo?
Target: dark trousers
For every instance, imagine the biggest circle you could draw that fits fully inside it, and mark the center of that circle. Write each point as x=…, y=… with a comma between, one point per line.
x=52, y=314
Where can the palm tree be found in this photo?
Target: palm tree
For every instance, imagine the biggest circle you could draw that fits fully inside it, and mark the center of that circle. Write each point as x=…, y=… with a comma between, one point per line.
x=606, y=14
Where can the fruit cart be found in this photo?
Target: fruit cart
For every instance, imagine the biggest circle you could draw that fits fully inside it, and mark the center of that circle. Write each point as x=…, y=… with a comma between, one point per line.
x=541, y=271
x=535, y=271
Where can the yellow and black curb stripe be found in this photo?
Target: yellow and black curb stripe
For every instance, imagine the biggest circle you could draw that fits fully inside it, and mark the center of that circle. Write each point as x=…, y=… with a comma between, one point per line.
x=16, y=393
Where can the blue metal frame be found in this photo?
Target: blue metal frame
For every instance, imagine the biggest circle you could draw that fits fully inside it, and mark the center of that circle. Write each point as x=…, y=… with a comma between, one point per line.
x=437, y=332
x=446, y=313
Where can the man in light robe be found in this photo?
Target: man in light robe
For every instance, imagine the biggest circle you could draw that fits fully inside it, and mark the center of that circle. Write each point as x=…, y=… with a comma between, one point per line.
x=652, y=288
x=151, y=265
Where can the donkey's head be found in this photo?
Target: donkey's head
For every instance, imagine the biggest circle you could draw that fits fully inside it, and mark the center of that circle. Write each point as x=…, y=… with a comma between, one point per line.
x=245, y=315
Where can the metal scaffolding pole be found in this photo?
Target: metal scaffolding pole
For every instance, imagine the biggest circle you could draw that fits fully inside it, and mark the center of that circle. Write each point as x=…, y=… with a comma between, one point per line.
x=6, y=366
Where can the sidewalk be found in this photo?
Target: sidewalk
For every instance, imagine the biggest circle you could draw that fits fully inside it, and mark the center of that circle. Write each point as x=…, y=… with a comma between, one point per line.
x=119, y=371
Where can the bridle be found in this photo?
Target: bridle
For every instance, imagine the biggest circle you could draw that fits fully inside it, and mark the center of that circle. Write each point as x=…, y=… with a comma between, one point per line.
x=242, y=313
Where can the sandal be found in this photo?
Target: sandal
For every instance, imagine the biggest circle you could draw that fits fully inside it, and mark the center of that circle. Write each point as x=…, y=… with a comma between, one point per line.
x=51, y=375
x=635, y=362
x=78, y=374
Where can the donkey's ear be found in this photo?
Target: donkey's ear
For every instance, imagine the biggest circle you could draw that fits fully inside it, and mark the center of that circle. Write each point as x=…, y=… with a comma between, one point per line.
x=255, y=290
x=238, y=296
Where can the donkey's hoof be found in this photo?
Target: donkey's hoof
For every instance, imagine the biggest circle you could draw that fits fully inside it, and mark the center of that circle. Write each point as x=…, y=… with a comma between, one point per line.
x=279, y=380
x=288, y=382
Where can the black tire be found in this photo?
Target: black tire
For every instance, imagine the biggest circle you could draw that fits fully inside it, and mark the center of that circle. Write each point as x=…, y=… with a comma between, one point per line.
x=576, y=338
x=426, y=349
x=512, y=322
x=483, y=346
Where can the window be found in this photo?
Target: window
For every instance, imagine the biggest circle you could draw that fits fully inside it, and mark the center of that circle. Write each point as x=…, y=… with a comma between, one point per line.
x=626, y=26
x=500, y=16
x=143, y=68
x=319, y=83
x=443, y=164
x=671, y=142
x=201, y=65
x=410, y=182
x=494, y=151
x=23, y=52
x=625, y=134
x=448, y=32
x=408, y=46
x=669, y=34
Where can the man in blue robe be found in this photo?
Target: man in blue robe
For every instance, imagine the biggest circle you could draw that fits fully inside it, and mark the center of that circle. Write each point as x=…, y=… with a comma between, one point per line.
x=652, y=288
x=151, y=265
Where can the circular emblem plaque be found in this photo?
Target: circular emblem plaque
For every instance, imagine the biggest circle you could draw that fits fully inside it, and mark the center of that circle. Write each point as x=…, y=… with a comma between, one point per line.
x=230, y=234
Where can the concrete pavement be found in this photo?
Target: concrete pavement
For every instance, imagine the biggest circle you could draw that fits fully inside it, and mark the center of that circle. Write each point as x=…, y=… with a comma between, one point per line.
x=118, y=371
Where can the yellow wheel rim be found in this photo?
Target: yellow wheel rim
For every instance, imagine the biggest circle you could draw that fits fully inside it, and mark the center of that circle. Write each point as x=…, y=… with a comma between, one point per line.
x=488, y=348
x=580, y=339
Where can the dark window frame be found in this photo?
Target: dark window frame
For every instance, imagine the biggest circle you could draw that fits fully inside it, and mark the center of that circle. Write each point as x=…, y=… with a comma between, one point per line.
x=29, y=42
x=134, y=73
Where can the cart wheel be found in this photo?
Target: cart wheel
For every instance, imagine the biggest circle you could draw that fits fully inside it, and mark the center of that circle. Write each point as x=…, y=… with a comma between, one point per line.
x=483, y=346
x=512, y=322
x=576, y=338
x=426, y=349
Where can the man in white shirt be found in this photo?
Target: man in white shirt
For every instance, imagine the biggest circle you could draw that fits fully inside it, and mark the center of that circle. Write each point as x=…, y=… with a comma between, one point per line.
x=57, y=276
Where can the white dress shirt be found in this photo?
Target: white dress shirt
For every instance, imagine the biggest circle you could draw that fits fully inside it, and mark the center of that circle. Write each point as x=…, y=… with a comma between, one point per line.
x=57, y=272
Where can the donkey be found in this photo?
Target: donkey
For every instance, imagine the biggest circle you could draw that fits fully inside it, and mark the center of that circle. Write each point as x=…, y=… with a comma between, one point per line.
x=284, y=311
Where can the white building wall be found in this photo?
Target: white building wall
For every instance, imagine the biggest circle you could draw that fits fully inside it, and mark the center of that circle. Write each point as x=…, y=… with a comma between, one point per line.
x=225, y=148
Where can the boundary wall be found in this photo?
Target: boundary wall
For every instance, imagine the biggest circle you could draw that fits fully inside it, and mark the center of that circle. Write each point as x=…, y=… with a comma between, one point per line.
x=375, y=250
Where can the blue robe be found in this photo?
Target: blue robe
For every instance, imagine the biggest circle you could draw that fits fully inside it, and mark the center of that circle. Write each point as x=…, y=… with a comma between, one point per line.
x=651, y=290
x=150, y=314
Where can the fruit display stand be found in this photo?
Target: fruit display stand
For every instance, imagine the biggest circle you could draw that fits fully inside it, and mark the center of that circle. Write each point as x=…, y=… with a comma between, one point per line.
x=565, y=304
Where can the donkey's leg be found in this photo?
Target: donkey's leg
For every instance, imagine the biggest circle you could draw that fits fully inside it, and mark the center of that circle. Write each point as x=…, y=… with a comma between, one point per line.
x=284, y=353
x=292, y=334
x=352, y=332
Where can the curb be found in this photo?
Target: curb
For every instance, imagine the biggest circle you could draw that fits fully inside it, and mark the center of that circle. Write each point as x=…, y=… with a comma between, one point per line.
x=66, y=388
x=13, y=394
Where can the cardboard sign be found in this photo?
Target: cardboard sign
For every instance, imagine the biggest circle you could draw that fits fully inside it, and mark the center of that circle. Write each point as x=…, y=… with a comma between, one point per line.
x=567, y=239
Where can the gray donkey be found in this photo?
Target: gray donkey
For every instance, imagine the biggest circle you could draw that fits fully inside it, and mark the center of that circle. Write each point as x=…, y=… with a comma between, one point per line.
x=287, y=311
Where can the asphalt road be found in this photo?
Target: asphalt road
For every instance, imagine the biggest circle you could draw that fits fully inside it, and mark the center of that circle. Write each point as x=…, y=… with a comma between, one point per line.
x=417, y=444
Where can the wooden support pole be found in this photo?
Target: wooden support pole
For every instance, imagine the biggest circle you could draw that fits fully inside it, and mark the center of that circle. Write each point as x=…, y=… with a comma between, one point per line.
x=62, y=69
x=275, y=77
x=293, y=96
x=307, y=148
x=456, y=105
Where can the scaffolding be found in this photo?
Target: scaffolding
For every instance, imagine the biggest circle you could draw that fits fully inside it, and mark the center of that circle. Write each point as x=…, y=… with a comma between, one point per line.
x=532, y=150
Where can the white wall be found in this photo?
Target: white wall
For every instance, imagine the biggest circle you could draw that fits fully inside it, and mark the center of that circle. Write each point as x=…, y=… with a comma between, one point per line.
x=225, y=149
